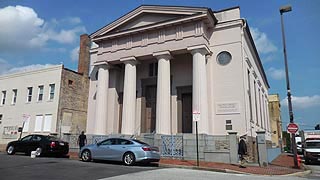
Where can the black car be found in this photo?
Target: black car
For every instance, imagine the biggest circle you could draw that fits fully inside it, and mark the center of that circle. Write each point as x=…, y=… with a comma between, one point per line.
x=42, y=144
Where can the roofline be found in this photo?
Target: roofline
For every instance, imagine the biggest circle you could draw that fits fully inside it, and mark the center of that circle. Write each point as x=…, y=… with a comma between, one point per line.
x=4, y=76
x=264, y=77
x=227, y=9
x=191, y=7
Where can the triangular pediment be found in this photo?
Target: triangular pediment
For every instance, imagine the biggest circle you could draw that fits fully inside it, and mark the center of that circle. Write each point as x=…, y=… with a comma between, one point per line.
x=147, y=15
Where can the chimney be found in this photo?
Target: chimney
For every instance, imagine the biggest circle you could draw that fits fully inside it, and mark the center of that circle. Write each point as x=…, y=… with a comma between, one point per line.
x=84, y=55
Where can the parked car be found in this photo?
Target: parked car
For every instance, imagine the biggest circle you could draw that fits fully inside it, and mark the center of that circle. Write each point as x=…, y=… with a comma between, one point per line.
x=129, y=151
x=312, y=150
x=42, y=144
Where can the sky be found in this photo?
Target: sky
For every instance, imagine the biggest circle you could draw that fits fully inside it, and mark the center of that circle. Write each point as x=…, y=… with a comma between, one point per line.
x=36, y=34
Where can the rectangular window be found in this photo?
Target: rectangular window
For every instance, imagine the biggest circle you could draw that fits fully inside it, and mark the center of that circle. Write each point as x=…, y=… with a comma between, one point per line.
x=3, y=98
x=47, y=122
x=256, y=102
x=40, y=93
x=260, y=107
x=38, y=123
x=29, y=97
x=14, y=96
x=1, y=118
x=228, y=125
x=249, y=95
x=51, y=92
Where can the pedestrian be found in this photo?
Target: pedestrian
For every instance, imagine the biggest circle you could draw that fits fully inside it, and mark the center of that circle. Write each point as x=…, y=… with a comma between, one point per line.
x=242, y=151
x=82, y=140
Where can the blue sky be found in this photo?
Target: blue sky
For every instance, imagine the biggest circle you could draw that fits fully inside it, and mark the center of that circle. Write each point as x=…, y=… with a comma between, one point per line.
x=35, y=34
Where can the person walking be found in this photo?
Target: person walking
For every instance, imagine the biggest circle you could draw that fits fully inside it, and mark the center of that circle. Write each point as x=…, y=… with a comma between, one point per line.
x=82, y=140
x=242, y=151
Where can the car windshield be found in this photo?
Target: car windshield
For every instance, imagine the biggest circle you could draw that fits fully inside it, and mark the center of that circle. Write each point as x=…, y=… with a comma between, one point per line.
x=140, y=142
x=314, y=144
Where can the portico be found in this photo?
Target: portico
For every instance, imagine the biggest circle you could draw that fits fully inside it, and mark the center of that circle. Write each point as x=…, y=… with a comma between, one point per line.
x=156, y=65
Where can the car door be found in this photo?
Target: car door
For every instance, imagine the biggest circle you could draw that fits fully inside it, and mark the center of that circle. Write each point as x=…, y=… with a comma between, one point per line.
x=102, y=149
x=34, y=143
x=23, y=144
x=119, y=148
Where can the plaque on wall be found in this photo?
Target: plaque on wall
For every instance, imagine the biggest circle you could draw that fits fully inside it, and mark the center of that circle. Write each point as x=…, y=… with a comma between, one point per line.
x=227, y=108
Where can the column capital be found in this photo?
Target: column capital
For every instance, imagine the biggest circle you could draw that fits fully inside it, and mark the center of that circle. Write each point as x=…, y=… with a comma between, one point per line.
x=103, y=64
x=203, y=49
x=162, y=54
x=130, y=59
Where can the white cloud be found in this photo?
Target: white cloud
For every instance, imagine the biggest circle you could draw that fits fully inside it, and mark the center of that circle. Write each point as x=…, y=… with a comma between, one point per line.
x=74, y=54
x=303, y=102
x=26, y=68
x=277, y=74
x=263, y=44
x=21, y=29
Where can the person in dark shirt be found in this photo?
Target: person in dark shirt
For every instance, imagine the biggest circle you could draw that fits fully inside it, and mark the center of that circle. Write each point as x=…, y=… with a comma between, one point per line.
x=242, y=151
x=82, y=140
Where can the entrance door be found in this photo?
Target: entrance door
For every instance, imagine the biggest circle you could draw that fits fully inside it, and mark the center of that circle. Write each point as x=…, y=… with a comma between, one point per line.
x=151, y=101
x=187, y=113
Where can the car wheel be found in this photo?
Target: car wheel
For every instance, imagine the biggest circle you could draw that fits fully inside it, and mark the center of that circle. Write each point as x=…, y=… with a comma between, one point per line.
x=129, y=159
x=11, y=150
x=86, y=156
x=38, y=151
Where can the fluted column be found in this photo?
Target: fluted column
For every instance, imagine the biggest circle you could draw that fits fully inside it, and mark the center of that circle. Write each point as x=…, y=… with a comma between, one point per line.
x=129, y=96
x=199, y=86
x=101, y=100
x=163, y=117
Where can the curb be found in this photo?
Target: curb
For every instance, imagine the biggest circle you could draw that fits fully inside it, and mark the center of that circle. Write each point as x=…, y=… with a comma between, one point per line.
x=299, y=174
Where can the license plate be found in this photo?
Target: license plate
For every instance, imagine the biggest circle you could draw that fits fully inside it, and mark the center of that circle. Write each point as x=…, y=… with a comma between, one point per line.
x=61, y=144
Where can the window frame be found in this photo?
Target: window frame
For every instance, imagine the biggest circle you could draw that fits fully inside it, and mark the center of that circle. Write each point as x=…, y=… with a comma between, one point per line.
x=40, y=93
x=14, y=96
x=3, y=97
x=52, y=88
x=29, y=94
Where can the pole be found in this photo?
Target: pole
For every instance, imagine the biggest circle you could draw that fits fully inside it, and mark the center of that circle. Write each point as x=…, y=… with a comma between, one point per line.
x=293, y=139
x=197, y=143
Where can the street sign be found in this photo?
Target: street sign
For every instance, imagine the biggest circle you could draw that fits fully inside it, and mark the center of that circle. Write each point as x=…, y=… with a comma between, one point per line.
x=292, y=128
x=195, y=116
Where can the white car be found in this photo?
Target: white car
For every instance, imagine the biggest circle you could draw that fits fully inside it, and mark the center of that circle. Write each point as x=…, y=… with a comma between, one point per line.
x=312, y=150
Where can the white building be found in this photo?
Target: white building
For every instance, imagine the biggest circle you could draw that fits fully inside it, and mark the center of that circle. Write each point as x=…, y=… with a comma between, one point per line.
x=157, y=65
x=50, y=100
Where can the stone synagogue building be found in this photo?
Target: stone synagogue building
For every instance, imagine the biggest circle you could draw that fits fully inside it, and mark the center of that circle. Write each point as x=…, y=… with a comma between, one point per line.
x=157, y=65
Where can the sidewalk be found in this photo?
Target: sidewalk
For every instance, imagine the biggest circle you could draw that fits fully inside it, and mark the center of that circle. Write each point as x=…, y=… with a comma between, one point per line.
x=282, y=165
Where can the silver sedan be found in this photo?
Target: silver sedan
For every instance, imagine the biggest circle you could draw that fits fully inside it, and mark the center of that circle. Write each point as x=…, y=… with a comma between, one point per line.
x=128, y=151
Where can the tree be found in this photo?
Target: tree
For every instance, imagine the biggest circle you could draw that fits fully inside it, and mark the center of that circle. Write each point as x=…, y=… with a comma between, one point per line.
x=317, y=127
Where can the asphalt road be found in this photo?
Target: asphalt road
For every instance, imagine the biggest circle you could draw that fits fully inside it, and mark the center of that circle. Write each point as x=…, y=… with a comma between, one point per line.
x=25, y=168
x=315, y=168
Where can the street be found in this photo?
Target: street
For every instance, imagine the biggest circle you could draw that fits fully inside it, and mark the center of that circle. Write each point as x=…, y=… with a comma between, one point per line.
x=315, y=168
x=21, y=166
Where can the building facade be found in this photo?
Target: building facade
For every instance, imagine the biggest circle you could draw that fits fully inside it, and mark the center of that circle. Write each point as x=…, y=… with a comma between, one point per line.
x=157, y=69
x=275, y=120
x=50, y=100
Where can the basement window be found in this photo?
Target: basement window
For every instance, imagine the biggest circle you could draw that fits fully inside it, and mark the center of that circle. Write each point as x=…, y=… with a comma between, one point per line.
x=228, y=125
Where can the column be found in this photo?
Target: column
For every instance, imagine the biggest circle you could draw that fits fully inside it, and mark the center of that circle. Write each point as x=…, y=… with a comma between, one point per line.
x=163, y=115
x=199, y=87
x=129, y=97
x=101, y=100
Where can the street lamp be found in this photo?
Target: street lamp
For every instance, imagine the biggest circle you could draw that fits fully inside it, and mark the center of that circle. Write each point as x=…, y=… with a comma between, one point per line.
x=285, y=9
